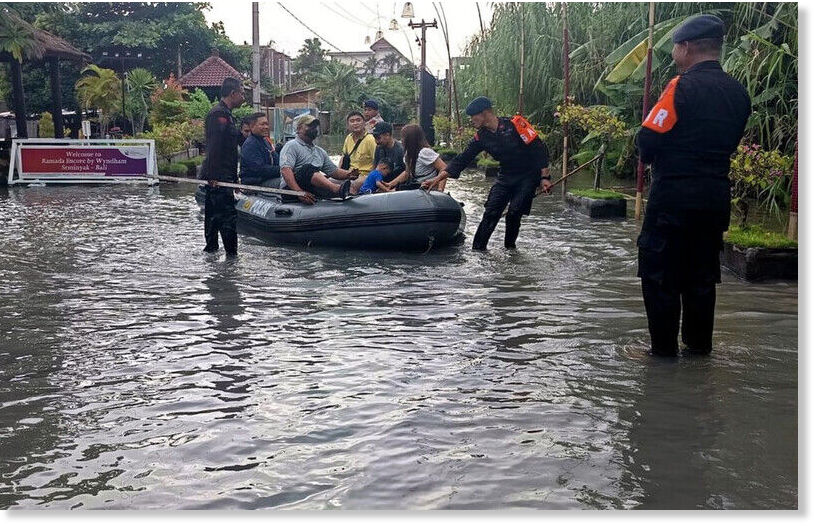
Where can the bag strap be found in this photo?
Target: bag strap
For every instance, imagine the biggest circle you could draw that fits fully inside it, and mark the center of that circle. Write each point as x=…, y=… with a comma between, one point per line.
x=357, y=145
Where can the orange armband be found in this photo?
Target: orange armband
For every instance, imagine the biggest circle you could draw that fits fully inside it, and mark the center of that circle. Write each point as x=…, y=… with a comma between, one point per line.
x=663, y=116
x=524, y=128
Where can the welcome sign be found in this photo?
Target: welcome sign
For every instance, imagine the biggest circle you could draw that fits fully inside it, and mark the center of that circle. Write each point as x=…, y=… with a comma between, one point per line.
x=67, y=161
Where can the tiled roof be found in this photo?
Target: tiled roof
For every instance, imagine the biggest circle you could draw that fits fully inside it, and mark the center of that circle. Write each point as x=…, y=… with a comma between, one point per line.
x=209, y=73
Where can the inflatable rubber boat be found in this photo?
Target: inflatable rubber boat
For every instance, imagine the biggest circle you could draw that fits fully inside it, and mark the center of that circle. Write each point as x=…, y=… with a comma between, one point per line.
x=404, y=220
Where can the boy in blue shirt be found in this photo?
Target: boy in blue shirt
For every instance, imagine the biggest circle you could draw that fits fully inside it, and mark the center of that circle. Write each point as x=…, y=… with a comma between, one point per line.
x=374, y=181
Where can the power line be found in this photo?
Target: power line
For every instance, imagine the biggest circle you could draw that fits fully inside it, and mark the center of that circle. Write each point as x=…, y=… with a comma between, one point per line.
x=343, y=16
x=308, y=28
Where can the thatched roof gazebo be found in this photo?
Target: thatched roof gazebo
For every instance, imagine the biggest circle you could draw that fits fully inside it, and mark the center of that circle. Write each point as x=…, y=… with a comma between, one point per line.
x=20, y=41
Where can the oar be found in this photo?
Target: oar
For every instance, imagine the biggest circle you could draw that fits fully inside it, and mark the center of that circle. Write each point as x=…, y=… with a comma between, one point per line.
x=264, y=189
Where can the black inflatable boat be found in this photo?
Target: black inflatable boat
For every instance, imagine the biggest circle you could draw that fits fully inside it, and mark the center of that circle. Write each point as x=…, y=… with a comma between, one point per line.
x=404, y=220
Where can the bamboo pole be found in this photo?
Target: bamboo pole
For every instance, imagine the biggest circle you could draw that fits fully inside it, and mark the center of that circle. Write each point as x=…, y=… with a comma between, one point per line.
x=792, y=233
x=453, y=84
x=522, y=57
x=249, y=187
x=566, y=67
x=648, y=79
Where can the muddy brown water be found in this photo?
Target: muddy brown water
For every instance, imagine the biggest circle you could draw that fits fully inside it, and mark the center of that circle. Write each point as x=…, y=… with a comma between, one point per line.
x=135, y=372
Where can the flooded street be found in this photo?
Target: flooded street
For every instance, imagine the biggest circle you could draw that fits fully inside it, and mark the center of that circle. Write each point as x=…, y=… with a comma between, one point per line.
x=137, y=372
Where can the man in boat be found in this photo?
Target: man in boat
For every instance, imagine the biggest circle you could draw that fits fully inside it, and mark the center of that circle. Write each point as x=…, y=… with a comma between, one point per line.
x=304, y=165
x=523, y=169
x=688, y=138
x=370, y=112
x=220, y=164
x=259, y=161
x=388, y=148
x=359, y=147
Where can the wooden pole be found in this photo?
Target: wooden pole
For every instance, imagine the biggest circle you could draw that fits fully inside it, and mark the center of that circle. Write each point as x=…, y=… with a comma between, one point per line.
x=566, y=66
x=18, y=97
x=793, y=209
x=252, y=188
x=522, y=57
x=56, y=98
x=648, y=80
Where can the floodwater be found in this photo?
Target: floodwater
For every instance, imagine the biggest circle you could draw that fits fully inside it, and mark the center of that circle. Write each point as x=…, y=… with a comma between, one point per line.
x=137, y=372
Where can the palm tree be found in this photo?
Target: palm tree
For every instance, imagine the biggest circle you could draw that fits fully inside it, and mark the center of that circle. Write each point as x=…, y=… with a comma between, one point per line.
x=100, y=88
x=140, y=84
x=339, y=86
x=391, y=62
x=370, y=66
x=17, y=37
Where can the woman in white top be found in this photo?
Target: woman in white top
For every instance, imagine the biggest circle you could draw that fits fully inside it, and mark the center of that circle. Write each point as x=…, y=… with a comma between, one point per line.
x=421, y=161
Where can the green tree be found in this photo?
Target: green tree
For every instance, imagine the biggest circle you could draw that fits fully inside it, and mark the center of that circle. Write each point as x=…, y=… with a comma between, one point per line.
x=46, y=124
x=168, y=104
x=100, y=88
x=158, y=30
x=340, y=89
x=198, y=105
x=391, y=62
x=140, y=85
x=310, y=61
x=396, y=96
x=370, y=66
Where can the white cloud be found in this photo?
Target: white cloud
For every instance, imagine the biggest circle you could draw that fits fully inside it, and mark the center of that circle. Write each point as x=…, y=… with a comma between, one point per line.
x=345, y=25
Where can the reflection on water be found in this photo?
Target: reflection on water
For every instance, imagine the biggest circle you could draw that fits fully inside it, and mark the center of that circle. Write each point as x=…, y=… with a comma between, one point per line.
x=137, y=372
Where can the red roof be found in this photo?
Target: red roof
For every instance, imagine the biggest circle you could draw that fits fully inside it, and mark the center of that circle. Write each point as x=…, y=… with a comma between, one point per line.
x=209, y=73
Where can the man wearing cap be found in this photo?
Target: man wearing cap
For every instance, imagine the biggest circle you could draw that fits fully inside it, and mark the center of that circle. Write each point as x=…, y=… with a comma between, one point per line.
x=687, y=138
x=523, y=169
x=220, y=164
x=370, y=111
x=304, y=165
x=388, y=148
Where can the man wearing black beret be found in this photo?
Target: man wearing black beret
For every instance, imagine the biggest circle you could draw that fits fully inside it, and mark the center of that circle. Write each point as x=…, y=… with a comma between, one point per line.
x=687, y=138
x=523, y=169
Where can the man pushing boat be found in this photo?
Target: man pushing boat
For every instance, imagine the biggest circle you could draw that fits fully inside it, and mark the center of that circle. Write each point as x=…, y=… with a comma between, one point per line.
x=523, y=158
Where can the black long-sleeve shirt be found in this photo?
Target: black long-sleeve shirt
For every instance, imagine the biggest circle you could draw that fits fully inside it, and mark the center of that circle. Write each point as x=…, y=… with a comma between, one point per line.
x=517, y=159
x=222, y=140
x=690, y=135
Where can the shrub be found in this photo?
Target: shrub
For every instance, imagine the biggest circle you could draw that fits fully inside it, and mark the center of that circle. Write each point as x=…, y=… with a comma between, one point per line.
x=168, y=103
x=761, y=174
x=755, y=236
x=168, y=140
x=486, y=162
x=174, y=169
x=46, y=124
x=590, y=193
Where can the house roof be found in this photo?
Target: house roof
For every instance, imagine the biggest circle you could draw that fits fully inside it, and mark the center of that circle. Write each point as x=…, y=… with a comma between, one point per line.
x=382, y=43
x=209, y=73
x=45, y=44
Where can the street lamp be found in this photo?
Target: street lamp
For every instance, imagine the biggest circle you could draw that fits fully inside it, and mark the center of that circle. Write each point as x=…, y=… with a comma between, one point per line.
x=394, y=26
x=407, y=12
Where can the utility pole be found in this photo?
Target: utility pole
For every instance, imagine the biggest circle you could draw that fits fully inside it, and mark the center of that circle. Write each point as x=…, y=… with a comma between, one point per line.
x=423, y=71
x=256, y=55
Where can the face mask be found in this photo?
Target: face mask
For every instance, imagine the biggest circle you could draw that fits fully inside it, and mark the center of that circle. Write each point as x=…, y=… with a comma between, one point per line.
x=312, y=132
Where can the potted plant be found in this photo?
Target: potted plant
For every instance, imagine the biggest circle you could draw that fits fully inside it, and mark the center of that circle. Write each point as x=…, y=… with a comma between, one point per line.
x=489, y=166
x=759, y=178
x=601, y=124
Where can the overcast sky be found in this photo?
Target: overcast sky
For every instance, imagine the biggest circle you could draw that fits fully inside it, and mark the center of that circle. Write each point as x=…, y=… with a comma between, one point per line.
x=345, y=25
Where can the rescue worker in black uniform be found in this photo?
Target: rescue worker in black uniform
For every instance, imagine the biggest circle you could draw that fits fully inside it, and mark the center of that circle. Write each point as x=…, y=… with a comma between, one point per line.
x=220, y=164
x=523, y=169
x=688, y=138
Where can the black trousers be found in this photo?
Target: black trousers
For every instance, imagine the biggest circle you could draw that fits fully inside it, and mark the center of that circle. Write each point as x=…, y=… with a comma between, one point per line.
x=679, y=266
x=220, y=216
x=518, y=193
